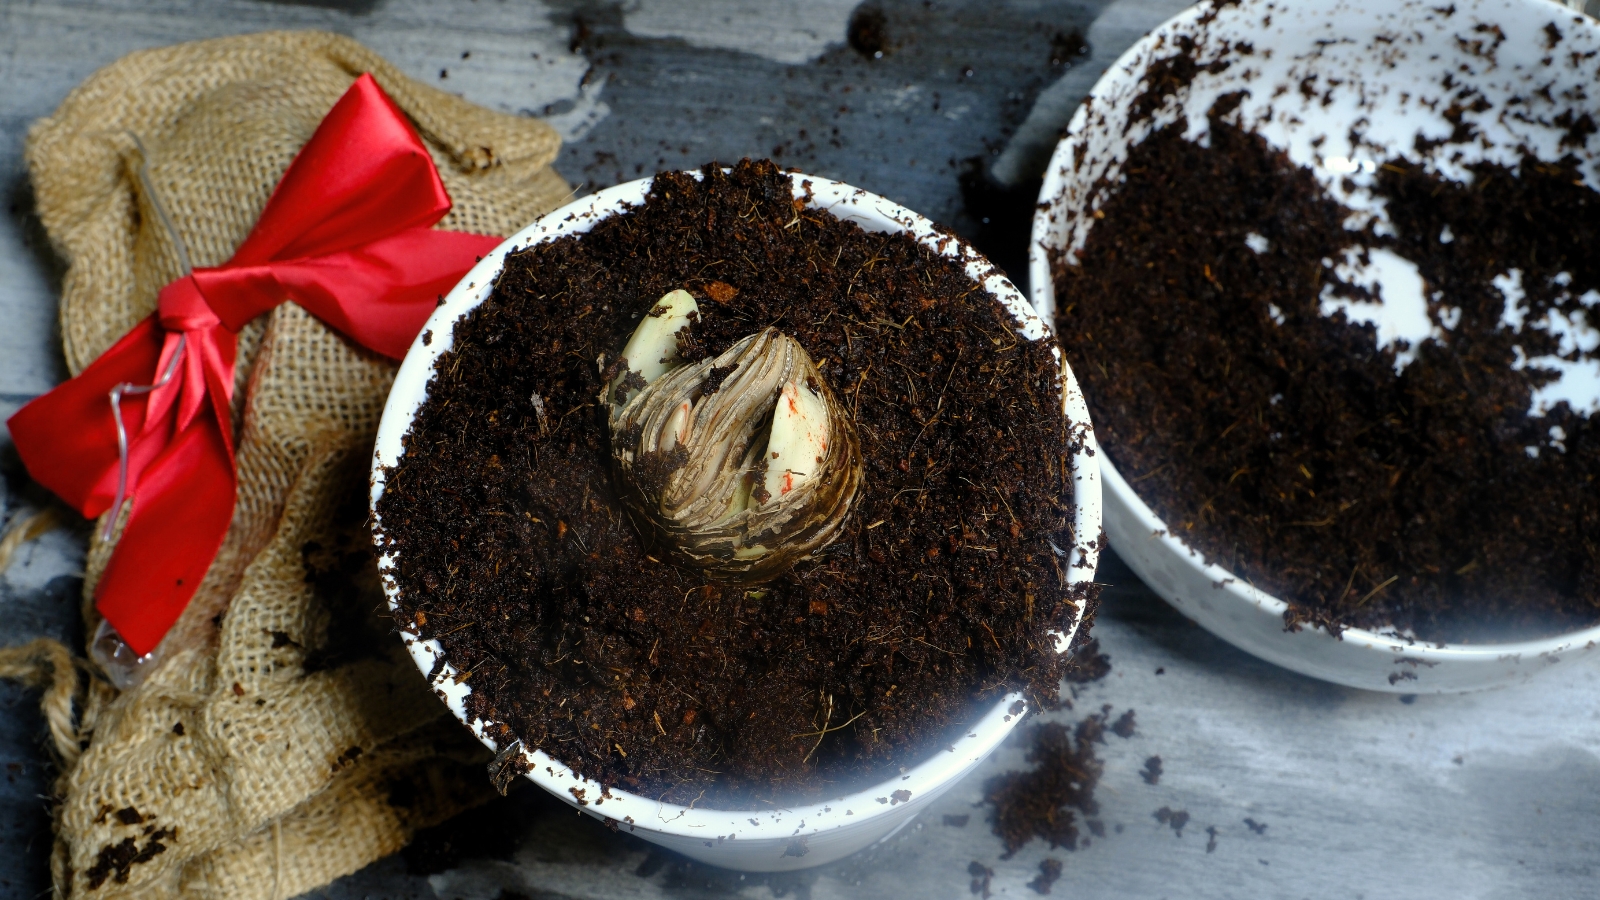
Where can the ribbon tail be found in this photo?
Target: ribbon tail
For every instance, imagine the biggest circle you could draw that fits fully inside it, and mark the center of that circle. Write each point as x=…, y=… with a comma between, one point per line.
x=68, y=439
x=165, y=383
x=219, y=385
x=180, y=515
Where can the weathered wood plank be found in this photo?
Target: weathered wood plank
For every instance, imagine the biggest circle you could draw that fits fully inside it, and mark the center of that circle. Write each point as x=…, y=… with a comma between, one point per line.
x=1363, y=795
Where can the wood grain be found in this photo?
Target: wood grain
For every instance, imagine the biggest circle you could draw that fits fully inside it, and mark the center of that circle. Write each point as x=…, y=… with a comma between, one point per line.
x=1363, y=795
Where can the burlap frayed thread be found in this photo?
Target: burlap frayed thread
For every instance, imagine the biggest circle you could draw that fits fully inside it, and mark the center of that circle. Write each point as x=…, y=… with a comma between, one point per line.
x=285, y=738
x=72, y=696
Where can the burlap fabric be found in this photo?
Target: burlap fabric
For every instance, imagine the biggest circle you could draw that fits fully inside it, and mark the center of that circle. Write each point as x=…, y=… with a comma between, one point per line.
x=283, y=739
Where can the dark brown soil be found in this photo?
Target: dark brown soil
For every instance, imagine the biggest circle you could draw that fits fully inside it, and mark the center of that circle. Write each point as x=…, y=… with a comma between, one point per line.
x=982, y=876
x=1087, y=663
x=868, y=33
x=936, y=598
x=1049, y=874
x=1125, y=726
x=1043, y=802
x=1175, y=819
x=1152, y=770
x=1292, y=453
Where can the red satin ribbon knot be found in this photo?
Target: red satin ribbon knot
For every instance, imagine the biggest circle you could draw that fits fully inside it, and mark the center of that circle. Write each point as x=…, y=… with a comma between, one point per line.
x=348, y=236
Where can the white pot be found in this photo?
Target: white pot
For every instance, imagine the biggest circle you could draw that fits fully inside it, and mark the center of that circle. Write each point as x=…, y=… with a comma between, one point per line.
x=1380, y=83
x=754, y=840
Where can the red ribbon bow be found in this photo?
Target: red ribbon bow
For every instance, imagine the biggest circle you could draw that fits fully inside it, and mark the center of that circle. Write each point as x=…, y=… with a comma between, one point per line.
x=347, y=235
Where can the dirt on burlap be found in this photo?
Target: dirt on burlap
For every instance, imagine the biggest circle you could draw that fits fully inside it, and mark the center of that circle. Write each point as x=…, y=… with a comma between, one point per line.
x=284, y=738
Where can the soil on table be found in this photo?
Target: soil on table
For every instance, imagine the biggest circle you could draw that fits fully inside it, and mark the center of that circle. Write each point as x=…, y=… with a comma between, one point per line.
x=1046, y=800
x=1282, y=442
x=572, y=630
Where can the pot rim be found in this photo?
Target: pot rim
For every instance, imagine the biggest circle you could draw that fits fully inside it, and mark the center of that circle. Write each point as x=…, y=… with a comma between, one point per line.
x=927, y=779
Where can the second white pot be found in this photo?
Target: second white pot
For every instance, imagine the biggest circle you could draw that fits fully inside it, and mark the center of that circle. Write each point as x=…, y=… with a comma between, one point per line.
x=1372, y=80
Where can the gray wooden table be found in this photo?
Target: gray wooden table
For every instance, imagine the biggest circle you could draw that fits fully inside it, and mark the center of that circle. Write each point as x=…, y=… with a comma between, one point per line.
x=1362, y=795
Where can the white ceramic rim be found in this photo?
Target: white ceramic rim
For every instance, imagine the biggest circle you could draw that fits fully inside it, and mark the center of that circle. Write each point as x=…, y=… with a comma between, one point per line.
x=1368, y=651
x=926, y=780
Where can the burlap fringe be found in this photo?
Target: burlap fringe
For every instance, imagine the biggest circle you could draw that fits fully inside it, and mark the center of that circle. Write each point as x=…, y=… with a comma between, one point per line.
x=74, y=692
